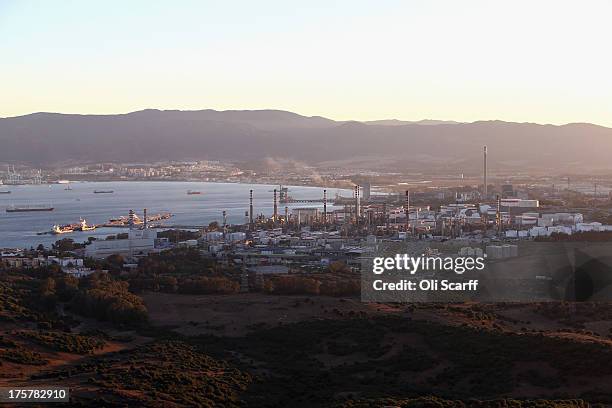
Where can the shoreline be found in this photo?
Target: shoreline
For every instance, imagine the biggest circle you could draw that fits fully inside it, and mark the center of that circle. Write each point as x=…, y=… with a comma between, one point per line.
x=340, y=186
x=24, y=230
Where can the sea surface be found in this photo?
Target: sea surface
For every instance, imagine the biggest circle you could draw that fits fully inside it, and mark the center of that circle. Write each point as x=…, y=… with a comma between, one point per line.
x=20, y=230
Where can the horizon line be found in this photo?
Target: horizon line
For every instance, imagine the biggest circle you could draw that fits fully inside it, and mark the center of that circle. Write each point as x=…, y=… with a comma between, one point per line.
x=414, y=121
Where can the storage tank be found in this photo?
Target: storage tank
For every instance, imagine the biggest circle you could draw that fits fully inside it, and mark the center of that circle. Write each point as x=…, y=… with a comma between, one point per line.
x=237, y=236
x=214, y=236
x=512, y=234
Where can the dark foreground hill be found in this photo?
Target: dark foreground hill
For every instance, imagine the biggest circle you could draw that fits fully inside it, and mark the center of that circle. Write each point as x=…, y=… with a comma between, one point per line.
x=150, y=135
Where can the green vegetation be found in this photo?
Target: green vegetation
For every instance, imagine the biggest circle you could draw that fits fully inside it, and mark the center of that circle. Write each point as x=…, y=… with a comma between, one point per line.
x=395, y=356
x=337, y=280
x=164, y=373
x=69, y=342
x=435, y=402
x=182, y=270
x=587, y=236
x=109, y=300
x=21, y=355
x=361, y=360
x=16, y=353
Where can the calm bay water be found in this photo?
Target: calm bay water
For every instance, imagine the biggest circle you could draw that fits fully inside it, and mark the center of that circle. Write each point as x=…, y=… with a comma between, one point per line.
x=20, y=229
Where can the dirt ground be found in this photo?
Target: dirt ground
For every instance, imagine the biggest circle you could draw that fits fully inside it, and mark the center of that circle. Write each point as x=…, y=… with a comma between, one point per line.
x=235, y=315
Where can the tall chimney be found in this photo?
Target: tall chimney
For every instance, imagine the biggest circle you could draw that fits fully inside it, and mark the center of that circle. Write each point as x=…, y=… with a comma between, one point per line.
x=407, y=210
x=275, y=215
x=251, y=209
x=385, y=218
x=357, y=205
x=286, y=215
x=325, y=207
x=485, y=190
x=499, y=216
x=131, y=219
x=144, y=218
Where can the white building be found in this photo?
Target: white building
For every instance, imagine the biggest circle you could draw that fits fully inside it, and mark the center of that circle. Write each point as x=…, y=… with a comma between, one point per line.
x=519, y=203
x=138, y=243
x=588, y=226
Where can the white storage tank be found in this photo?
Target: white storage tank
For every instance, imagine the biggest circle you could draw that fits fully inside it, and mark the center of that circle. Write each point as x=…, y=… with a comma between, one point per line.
x=214, y=236
x=237, y=236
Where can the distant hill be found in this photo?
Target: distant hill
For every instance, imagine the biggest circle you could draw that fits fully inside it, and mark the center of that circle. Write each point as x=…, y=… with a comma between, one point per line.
x=396, y=122
x=148, y=135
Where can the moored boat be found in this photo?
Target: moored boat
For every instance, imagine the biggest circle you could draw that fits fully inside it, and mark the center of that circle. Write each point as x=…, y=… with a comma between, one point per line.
x=62, y=229
x=28, y=208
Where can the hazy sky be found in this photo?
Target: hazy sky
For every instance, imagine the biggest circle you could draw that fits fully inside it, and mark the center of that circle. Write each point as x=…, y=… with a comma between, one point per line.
x=536, y=61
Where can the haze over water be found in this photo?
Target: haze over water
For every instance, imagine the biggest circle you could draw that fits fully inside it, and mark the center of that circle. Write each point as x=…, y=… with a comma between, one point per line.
x=20, y=229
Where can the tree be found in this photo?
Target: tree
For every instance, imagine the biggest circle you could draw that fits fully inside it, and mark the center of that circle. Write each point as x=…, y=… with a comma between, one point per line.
x=47, y=294
x=115, y=262
x=66, y=245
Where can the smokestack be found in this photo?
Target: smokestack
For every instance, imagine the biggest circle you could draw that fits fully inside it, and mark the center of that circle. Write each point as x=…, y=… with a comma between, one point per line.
x=325, y=207
x=275, y=215
x=357, y=205
x=286, y=215
x=251, y=209
x=385, y=218
x=499, y=216
x=407, y=210
x=144, y=218
x=486, y=193
x=131, y=219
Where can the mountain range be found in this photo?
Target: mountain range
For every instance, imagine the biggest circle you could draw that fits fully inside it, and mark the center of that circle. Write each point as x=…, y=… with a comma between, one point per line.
x=44, y=139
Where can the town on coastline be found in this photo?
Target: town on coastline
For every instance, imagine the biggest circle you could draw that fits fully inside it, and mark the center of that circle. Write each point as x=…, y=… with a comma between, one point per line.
x=478, y=214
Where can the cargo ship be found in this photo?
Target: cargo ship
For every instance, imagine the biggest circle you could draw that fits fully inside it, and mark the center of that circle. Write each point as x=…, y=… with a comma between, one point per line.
x=84, y=227
x=124, y=221
x=68, y=228
x=5, y=192
x=103, y=191
x=62, y=229
x=192, y=192
x=28, y=208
